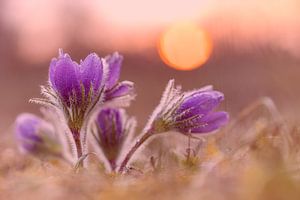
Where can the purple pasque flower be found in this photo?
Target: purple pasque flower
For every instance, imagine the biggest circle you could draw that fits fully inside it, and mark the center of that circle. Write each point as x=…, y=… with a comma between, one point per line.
x=35, y=136
x=113, y=128
x=75, y=90
x=78, y=90
x=185, y=112
x=115, y=89
x=76, y=84
x=189, y=112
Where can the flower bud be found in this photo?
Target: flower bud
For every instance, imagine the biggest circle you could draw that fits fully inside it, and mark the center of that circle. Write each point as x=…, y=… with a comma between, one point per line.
x=35, y=136
x=112, y=129
x=190, y=112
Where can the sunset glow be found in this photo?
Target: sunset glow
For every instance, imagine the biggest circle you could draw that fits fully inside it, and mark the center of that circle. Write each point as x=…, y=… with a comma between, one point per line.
x=150, y=13
x=185, y=46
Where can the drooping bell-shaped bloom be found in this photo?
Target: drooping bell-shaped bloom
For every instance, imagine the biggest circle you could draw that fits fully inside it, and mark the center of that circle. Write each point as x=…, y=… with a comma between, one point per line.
x=113, y=128
x=185, y=112
x=115, y=89
x=35, y=136
x=189, y=112
x=76, y=84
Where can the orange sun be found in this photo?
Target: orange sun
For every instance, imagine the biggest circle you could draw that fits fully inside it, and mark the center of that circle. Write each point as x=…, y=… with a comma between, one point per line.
x=185, y=46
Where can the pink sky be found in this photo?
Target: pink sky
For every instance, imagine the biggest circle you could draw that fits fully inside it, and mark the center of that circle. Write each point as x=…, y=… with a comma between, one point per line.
x=133, y=25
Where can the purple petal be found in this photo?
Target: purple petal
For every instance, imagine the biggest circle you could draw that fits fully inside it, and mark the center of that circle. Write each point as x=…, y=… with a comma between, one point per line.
x=102, y=124
x=121, y=89
x=199, y=103
x=110, y=124
x=52, y=72
x=26, y=131
x=118, y=125
x=63, y=77
x=211, y=122
x=91, y=72
x=110, y=133
x=114, y=62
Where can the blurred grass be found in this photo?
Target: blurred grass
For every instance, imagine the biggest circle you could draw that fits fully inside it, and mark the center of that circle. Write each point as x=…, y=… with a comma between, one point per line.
x=255, y=157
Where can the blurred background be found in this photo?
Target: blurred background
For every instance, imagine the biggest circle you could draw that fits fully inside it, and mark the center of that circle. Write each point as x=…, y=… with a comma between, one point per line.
x=247, y=49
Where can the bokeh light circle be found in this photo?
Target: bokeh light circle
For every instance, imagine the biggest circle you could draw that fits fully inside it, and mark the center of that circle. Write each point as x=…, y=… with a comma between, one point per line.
x=185, y=46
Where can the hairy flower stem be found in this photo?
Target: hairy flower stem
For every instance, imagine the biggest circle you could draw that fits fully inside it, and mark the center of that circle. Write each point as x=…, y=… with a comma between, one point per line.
x=138, y=143
x=76, y=136
x=113, y=165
